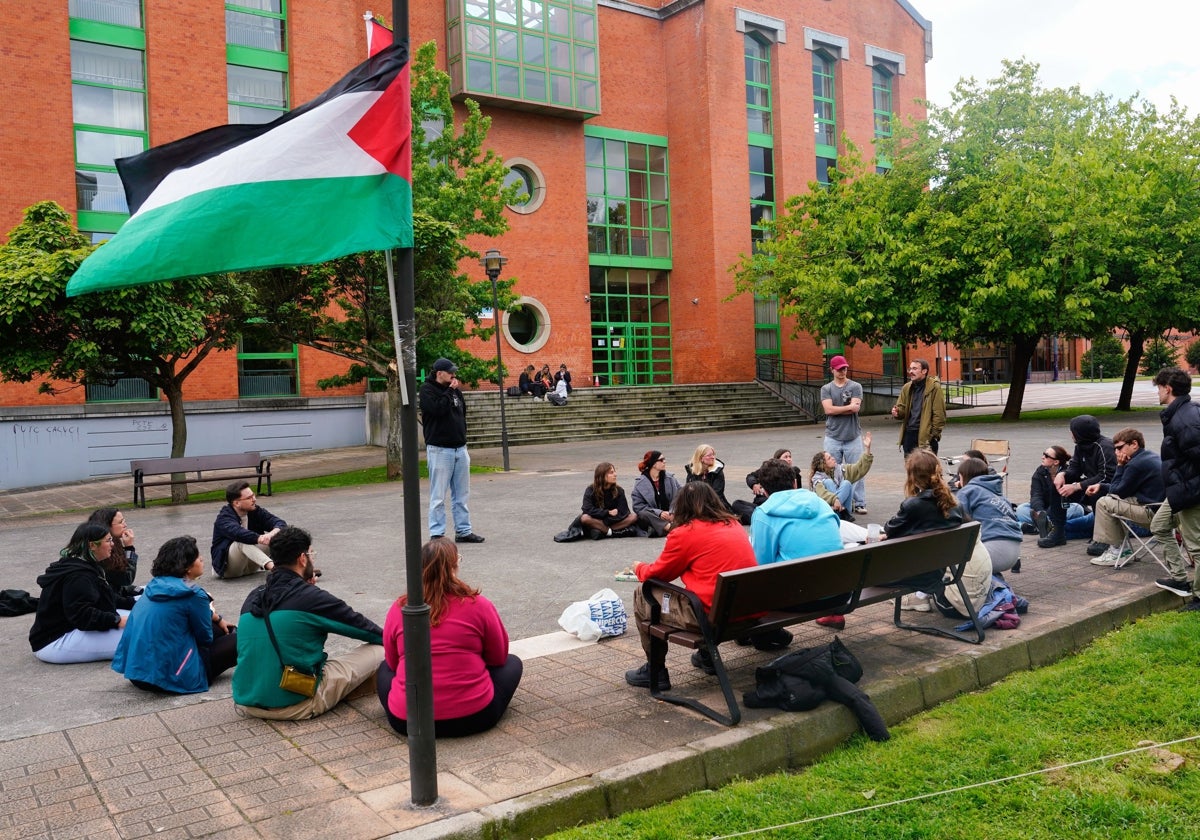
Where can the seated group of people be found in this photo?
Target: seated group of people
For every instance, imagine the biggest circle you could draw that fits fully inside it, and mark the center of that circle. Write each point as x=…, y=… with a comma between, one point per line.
x=538, y=383
x=791, y=523
x=170, y=638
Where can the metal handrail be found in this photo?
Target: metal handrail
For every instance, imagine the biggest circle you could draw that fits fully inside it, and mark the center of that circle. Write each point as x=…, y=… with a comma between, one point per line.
x=800, y=384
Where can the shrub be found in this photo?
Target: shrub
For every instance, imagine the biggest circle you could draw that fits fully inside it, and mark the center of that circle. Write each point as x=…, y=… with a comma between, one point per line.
x=1158, y=355
x=1193, y=354
x=1106, y=352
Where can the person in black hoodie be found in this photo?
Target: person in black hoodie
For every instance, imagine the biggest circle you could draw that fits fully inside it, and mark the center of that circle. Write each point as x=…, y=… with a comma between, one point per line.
x=79, y=617
x=1094, y=462
x=444, y=423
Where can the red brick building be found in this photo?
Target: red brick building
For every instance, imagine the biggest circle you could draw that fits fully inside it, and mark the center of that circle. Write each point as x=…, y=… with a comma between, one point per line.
x=654, y=138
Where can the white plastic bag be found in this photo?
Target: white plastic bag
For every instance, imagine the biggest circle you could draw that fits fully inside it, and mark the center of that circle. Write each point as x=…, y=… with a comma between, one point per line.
x=601, y=615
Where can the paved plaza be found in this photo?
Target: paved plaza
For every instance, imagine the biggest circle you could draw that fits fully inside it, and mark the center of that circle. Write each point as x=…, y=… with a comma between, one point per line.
x=84, y=754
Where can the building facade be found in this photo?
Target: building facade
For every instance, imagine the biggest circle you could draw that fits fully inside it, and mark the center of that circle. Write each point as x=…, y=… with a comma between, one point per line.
x=653, y=140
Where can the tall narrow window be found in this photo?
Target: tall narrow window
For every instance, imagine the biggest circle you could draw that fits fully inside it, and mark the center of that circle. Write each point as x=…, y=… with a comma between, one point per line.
x=256, y=60
x=761, y=145
x=824, y=113
x=882, y=81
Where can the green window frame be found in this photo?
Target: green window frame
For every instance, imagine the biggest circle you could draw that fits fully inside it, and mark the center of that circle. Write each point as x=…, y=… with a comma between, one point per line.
x=108, y=99
x=761, y=146
x=266, y=368
x=825, y=104
x=631, y=326
x=256, y=60
x=882, y=83
x=539, y=53
x=628, y=198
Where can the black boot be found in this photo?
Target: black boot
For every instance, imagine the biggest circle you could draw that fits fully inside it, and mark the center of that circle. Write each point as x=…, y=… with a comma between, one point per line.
x=1057, y=534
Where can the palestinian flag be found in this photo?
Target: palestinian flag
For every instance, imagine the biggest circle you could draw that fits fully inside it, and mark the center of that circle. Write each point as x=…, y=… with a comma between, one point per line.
x=331, y=178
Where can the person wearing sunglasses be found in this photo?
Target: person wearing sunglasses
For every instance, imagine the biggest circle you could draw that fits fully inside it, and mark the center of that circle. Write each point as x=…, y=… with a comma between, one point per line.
x=1138, y=482
x=1042, y=494
x=654, y=494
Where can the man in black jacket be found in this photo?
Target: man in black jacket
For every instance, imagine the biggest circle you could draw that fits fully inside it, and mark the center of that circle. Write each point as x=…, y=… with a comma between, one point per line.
x=1181, y=476
x=1138, y=482
x=444, y=421
x=242, y=533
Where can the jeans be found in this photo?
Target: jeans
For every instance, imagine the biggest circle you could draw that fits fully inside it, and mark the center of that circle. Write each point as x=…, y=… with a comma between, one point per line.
x=1163, y=526
x=849, y=452
x=449, y=469
x=1079, y=521
x=843, y=491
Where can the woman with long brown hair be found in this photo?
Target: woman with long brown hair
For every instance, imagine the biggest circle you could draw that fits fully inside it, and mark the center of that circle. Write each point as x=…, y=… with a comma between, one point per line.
x=474, y=675
x=120, y=568
x=931, y=506
x=605, y=509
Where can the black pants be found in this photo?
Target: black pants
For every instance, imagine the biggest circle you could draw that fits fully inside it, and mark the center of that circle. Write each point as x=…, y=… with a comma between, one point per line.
x=910, y=442
x=217, y=658
x=505, y=679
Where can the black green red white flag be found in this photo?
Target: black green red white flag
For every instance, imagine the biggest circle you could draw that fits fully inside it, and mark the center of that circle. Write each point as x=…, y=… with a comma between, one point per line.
x=330, y=178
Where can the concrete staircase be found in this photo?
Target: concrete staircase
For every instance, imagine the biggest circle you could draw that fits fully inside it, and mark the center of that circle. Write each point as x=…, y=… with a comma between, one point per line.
x=593, y=413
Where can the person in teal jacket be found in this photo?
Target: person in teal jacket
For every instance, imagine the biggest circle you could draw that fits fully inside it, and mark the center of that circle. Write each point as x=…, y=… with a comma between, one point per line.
x=175, y=641
x=301, y=615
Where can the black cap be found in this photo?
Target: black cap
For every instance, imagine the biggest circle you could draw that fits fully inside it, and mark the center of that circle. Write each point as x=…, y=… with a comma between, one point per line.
x=446, y=365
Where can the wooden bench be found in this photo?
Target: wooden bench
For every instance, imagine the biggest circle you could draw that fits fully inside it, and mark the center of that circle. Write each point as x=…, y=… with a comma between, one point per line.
x=245, y=465
x=796, y=591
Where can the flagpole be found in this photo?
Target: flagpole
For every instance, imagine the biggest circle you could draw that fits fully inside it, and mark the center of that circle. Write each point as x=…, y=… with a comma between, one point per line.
x=422, y=747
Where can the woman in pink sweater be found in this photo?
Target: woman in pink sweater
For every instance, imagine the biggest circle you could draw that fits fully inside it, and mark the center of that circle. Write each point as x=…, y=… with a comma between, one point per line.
x=474, y=675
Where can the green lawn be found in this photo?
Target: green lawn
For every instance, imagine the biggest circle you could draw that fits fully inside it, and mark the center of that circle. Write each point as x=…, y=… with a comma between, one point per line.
x=1132, y=687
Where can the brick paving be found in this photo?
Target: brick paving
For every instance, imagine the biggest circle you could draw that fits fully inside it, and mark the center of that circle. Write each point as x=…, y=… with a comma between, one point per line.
x=82, y=754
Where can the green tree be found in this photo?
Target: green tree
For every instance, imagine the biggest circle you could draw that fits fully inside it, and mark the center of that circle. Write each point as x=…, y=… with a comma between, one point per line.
x=159, y=332
x=1105, y=356
x=343, y=306
x=1193, y=355
x=1158, y=355
x=1002, y=218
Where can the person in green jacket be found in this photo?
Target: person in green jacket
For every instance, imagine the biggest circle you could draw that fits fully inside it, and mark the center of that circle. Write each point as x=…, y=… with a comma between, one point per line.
x=301, y=615
x=921, y=408
x=834, y=482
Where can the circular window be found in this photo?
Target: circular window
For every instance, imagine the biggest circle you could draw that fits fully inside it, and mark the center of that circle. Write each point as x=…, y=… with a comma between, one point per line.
x=528, y=179
x=527, y=328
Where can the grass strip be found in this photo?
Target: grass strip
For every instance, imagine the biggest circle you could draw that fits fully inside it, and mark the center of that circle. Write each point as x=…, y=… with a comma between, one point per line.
x=1131, y=686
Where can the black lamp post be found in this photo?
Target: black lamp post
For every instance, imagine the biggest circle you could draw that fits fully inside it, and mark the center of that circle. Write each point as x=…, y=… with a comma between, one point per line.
x=492, y=262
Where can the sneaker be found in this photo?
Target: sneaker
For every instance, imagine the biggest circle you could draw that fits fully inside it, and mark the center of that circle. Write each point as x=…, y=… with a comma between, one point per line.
x=640, y=678
x=631, y=531
x=1191, y=606
x=1030, y=530
x=1112, y=556
x=836, y=622
x=859, y=510
x=468, y=538
x=913, y=601
x=1016, y=569
x=1041, y=523
x=1180, y=587
x=701, y=660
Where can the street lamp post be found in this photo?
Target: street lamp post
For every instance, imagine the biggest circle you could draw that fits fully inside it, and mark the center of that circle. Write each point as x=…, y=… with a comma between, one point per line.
x=492, y=262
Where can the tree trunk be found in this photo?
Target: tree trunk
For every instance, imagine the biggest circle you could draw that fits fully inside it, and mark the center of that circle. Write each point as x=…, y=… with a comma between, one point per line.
x=395, y=446
x=1137, y=343
x=1023, y=349
x=174, y=391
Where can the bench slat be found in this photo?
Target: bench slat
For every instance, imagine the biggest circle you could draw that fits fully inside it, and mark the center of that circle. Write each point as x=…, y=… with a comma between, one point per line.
x=252, y=465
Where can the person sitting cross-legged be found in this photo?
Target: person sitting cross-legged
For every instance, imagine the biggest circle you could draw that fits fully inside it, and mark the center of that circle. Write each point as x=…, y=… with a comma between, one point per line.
x=704, y=540
x=1138, y=482
x=605, y=510
x=285, y=622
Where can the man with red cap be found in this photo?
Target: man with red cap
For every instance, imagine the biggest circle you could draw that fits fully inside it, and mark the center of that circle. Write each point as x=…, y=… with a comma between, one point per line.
x=842, y=400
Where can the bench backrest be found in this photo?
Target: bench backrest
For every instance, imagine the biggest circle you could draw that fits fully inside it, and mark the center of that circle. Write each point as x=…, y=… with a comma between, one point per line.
x=155, y=466
x=903, y=557
x=779, y=586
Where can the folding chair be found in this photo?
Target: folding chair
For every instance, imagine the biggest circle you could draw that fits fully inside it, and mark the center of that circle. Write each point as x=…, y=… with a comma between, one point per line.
x=1138, y=540
x=998, y=453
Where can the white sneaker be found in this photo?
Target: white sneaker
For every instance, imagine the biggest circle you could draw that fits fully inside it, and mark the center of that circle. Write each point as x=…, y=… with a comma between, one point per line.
x=918, y=601
x=1112, y=557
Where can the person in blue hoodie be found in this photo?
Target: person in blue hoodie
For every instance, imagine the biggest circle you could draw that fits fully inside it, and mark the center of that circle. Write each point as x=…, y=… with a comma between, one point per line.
x=793, y=523
x=175, y=641
x=981, y=495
